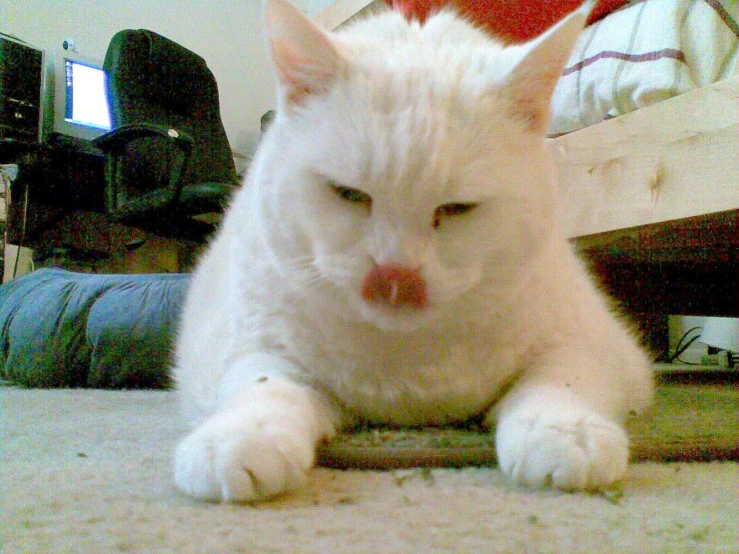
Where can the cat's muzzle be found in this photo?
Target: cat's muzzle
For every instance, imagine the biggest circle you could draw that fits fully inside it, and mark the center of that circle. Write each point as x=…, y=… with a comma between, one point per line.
x=395, y=286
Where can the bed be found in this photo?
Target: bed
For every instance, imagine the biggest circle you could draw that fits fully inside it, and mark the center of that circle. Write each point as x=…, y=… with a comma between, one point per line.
x=645, y=132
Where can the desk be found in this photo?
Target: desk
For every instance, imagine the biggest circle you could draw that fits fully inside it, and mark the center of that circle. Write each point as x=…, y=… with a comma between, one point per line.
x=61, y=175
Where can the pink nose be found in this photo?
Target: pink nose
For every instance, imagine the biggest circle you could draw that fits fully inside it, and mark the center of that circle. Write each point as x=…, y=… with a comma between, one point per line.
x=395, y=286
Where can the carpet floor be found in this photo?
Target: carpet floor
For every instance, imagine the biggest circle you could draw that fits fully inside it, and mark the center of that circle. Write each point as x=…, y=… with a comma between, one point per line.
x=90, y=471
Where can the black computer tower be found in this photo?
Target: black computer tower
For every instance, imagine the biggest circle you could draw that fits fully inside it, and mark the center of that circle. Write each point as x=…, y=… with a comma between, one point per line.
x=21, y=84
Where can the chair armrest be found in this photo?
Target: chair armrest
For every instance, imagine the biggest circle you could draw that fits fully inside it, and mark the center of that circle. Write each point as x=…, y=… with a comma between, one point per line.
x=118, y=137
x=113, y=145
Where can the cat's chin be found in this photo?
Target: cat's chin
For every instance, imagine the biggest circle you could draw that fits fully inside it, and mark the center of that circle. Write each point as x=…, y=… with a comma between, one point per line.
x=397, y=319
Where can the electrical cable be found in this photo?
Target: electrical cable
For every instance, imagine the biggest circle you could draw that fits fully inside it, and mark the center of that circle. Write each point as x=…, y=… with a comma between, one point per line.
x=680, y=348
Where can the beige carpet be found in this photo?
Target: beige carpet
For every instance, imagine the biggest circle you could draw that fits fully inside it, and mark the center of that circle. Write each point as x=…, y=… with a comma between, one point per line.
x=89, y=471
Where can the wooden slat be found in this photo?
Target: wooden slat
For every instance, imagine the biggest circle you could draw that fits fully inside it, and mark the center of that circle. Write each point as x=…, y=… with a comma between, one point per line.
x=675, y=159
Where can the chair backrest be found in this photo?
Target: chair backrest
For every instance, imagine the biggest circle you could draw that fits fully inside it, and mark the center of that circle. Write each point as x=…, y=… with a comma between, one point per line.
x=152, y=79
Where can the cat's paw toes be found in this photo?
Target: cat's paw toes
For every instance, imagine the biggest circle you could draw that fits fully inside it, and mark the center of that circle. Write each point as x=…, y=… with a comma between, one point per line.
x=235, y=460
x=568, y=451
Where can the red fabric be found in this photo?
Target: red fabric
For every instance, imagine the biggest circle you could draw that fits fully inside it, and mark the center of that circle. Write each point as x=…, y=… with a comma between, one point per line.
x=510, y=20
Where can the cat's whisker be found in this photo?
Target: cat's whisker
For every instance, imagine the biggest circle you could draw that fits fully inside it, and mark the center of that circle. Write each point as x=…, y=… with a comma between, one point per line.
x=299, y=273
x=304, y=276
x=288, y=263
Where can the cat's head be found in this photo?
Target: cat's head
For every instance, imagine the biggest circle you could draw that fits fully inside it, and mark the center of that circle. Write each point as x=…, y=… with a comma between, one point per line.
x=406, y=169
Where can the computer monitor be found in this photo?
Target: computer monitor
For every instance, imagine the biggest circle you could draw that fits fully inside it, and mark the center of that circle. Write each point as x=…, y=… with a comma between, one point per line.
x=80, y=100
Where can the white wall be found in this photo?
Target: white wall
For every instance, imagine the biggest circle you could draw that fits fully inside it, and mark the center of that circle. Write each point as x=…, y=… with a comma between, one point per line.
x=228, y=34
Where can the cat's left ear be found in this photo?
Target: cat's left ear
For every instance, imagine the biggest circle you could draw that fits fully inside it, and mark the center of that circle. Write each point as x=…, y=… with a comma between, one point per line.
x=306, y=59
x=531, y=81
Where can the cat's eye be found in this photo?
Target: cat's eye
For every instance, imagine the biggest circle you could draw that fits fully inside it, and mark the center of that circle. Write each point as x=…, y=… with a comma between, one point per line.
x=352, y=195
x=451, y=210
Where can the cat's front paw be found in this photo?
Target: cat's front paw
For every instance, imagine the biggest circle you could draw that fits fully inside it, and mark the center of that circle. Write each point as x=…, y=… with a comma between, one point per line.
x=237, y=457
x=569, y=447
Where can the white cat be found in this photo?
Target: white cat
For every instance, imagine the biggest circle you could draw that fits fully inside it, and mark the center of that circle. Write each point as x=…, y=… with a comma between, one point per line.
x=394, y=257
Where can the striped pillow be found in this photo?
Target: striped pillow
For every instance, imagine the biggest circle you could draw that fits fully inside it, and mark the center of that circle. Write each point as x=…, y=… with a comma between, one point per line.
x=646, y=52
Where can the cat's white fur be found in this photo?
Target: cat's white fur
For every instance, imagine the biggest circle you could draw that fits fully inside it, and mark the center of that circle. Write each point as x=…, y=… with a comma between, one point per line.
x=279, y=350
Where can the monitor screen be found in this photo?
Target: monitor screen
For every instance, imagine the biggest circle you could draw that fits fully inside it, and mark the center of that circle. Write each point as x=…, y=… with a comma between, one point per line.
x=85, y=102
x=77, y=96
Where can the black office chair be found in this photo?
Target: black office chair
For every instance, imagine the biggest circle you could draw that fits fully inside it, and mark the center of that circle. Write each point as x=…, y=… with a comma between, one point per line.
x=167, y=158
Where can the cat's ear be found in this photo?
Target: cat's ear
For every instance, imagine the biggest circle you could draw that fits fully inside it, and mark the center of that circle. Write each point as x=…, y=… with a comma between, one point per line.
x=531, y=82
x=307, y=61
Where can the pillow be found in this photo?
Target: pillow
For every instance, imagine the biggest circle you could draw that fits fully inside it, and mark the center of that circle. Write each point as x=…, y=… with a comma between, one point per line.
x=641, y=55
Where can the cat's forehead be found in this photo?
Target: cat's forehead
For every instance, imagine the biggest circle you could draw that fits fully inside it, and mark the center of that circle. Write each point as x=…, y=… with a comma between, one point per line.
x=393, y=29
x=416, y=113
x=403, y=62
x=420, y=152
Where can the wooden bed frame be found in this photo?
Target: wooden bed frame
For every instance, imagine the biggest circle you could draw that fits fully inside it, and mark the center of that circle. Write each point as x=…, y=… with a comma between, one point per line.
x=672, y=160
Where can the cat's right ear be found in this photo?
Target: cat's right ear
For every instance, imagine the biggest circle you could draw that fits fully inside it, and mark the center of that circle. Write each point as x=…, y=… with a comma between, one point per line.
x=307, y=61
x=532, y=80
